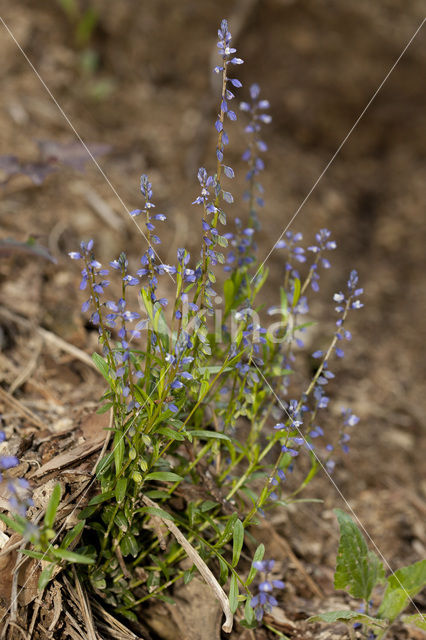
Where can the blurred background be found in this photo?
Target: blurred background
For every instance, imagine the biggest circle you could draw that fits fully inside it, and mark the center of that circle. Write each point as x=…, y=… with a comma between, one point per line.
x=134, y=78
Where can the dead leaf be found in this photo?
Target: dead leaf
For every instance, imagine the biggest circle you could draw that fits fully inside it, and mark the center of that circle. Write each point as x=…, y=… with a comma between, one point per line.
x=7, y=563
x=93, y=428
x=280, y=620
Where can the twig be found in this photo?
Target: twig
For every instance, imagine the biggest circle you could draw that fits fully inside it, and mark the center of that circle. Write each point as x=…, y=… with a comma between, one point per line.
x=102, y=208
x=205, y=572
x=5, y=395
x=49, y=337
x=34, y=617
x=26, y=371
x=85, y=607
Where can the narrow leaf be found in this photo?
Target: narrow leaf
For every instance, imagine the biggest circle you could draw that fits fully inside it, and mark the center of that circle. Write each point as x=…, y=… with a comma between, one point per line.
x=45, y=577
x=118, y=450
x=201, y=433
x=258, y=556
x=233, y=594
x=12, y=524
x=223, y=577
x=120, y=489
x=38, y=555
x=70, y=556
x=238, y=540
x=102, y=366
x=165, y=476
x=71, y=535
x=52, y=507
x=296, y=293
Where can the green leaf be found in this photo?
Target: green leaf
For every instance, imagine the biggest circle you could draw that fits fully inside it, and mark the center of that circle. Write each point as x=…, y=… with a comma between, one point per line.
x=104, y=464
x=101, y=497
x=97, y=579
x=233, y=594
x=118, y=450
x=249, y=616
x=52, y=507
x=418, y=619
x=87, y=512
x=348, y=617
x=70, y=556
x=202, y=433
x=229, y=293
x=357, y=568
x=12, y=524
x=223, y=577
x=296, y=293
x=213, y=369
x=71, y=535
x=170, y=433
x=258, y=557
x=129, y=545
x=120, y=489
x=403, y=585
x=45, y=577
x=187, y=576
x=165, y=476
x=238, y=540
x=38, y=555
x=160, y=325
x=121, y=521
x=155, y=511
x=102, y=366
x=104, y=408
x=227, y=532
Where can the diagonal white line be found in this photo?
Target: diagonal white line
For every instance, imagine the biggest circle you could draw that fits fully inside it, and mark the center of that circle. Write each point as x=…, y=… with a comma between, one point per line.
x=348, y=506
x=80, y=139
x=341, y=145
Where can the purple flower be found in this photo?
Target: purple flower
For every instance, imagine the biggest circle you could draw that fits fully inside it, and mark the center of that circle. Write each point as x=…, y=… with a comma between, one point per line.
x=263, y=601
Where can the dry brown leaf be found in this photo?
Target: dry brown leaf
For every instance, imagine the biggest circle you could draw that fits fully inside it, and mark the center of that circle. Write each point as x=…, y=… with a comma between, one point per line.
x=7, y=563
x=68, y=458
x=280, y=620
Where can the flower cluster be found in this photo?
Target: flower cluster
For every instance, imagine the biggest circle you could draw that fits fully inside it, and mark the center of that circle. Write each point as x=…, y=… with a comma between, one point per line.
x=256, y=146
x=263, y=601
x=241, y=247
x=346, y=302
x=228, y=58
x=295, y=253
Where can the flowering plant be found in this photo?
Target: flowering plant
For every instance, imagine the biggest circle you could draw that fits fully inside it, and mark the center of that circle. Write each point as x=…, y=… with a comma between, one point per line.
x=208, y=417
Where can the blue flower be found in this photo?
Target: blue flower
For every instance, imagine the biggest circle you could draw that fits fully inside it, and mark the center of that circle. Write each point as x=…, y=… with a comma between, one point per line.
x=263, y=601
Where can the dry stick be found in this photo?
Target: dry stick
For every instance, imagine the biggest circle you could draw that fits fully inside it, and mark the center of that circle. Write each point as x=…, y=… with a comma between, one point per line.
x=10, y=548
x=35, y=420
x=34, y=617
x=27, y=371
x=49, y=337
x=57, y=601
x=85, y=608
x=112, y=625
x=205, y=572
